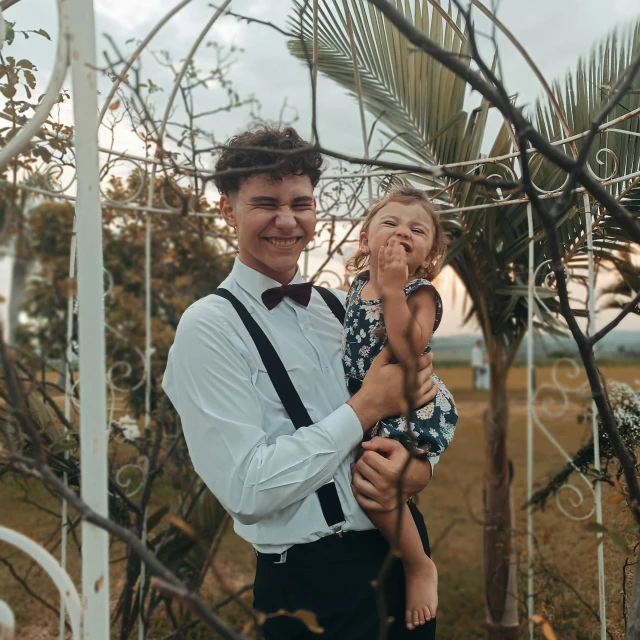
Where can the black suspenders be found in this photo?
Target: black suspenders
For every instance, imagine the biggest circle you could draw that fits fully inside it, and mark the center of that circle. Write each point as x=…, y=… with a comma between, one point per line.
x=327, y=494
x=333, y=303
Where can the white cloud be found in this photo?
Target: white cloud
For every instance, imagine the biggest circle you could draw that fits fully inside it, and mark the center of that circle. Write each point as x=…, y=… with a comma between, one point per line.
x=228, y=31
x=127, y=16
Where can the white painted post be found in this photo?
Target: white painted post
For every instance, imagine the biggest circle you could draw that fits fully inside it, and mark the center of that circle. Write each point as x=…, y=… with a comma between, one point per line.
x=530, y=370
x=147, y=393
x=594, y=421
x=68, y=391
x=93, y=406
x=7, y=622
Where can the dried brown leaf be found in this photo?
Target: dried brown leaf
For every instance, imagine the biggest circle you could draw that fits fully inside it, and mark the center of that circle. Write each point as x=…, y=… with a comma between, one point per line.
x=307, y=617
x=616, y=498
x=185, y=527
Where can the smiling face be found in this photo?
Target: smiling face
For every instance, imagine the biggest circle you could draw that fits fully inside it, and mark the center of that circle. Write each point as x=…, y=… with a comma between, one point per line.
x=410, y=224
x=274, y=220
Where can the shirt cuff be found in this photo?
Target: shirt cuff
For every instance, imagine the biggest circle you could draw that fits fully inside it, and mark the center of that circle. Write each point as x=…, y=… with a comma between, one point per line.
x=344, y=427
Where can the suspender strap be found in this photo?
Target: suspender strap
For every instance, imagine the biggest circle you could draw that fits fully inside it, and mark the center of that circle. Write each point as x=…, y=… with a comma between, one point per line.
x=289, y=397
x=278, y=375
x=331, y=300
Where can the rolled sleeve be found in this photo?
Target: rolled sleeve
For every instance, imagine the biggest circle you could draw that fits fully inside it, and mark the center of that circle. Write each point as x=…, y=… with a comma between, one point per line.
x=344, y=427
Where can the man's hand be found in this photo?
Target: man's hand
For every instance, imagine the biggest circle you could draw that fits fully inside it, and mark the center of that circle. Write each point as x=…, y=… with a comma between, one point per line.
x=376, y=475
x=383, y=390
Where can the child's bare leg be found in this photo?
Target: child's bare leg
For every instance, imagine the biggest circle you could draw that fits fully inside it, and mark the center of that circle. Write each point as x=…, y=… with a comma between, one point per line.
x=420, y=572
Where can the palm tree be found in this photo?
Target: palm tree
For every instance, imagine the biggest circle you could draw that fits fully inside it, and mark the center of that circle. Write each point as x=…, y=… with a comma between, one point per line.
x=618, y=294
x=423, y=109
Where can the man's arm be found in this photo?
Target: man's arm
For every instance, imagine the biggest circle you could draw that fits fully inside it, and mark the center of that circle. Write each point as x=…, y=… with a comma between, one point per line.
x=209, y=383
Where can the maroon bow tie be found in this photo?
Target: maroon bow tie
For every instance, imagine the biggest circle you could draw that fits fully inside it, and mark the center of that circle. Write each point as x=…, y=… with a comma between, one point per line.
x=300, y=293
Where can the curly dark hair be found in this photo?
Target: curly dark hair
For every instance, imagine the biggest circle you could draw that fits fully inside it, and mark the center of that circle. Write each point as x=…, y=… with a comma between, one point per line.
x=306, y=163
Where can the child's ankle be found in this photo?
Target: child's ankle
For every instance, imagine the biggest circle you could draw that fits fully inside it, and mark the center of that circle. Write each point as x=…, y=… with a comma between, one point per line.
x=418, y=562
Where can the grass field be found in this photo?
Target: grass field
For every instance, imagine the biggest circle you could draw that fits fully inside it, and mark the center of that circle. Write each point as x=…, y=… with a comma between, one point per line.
x=566, y=588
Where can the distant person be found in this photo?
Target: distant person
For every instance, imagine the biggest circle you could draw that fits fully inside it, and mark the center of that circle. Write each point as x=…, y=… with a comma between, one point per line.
x=478, y=365
x=485, y=377
x=393, y=302
x=256, y=375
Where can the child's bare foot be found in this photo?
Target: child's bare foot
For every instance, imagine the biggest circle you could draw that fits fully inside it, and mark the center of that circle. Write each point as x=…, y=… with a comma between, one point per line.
x=422, y=592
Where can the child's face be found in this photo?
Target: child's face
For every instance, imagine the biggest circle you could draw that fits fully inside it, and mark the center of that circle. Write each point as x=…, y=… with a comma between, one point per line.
x=410, y=224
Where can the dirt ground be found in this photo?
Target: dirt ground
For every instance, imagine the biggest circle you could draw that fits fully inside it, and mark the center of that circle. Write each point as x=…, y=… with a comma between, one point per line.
x=566, y=566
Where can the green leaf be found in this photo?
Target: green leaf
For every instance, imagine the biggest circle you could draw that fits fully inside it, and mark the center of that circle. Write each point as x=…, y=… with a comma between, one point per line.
x=596, y=528
x=25, y=64
x=156, y=517
x=31, y=79
x=9, y=34
x=618, y=539
x=62, y=446
x=42, y=152
x=43, y=33
x=9, y=91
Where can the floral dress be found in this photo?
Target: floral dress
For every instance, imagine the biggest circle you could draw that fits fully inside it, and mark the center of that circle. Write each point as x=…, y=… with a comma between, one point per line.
x=433, y=425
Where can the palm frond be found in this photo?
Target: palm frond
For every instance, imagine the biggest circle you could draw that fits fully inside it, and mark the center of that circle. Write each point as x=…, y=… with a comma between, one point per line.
x=420, y=103
x=615, y=152
x=620, y=292
x=422, y=107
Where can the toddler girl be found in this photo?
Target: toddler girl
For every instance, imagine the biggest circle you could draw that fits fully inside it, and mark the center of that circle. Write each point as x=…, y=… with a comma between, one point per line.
x=394, y=302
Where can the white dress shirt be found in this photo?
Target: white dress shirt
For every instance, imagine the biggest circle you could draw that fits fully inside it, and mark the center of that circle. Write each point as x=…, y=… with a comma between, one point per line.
x=241, y=441
x=477, y=357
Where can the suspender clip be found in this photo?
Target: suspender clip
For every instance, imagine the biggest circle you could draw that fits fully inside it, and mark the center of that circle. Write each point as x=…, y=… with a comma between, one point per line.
x=283, y=558
x=337, y=529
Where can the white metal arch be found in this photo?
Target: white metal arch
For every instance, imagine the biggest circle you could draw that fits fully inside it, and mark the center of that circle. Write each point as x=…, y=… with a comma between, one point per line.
x=68, y=592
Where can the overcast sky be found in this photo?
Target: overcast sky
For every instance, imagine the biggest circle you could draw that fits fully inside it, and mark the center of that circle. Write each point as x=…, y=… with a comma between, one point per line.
x=555, y=32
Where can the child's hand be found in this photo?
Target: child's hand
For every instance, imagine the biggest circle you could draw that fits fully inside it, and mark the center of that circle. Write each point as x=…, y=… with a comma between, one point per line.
x=393, y=271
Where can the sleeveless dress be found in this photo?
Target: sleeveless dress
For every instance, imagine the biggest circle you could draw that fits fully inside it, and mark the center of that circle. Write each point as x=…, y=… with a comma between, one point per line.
x=364, y=336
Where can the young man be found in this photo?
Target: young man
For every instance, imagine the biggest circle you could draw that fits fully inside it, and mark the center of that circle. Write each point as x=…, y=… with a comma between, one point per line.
x=260, y=358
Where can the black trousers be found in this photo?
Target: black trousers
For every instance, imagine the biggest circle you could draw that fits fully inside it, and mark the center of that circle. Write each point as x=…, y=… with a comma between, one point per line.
x=332, y=577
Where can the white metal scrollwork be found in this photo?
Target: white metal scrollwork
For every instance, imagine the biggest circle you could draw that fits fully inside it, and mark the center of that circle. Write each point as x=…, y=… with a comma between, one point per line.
x=60, y=577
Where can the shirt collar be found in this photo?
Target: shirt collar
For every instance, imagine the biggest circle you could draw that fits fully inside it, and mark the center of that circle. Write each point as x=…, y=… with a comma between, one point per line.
x=256, y=283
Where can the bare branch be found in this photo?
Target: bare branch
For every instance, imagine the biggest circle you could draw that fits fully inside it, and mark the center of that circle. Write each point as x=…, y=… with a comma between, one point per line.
x=38, y=468
x=438, y=172
x=7, y=4
x=498, y=97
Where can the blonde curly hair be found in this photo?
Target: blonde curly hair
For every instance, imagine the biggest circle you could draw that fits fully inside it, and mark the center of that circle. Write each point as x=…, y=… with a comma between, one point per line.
x=406, y=194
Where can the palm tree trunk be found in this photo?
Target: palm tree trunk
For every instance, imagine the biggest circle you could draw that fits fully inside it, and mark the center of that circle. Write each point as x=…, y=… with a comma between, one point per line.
x=633, y=621
x=500, y=579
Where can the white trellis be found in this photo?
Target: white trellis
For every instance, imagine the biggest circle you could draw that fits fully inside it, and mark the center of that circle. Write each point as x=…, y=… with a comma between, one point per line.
x=340, y=201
